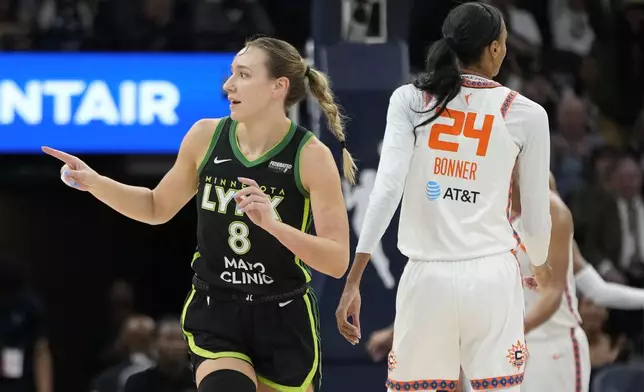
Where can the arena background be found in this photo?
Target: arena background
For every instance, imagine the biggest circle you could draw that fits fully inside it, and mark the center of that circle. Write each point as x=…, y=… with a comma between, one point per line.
x=119, y=82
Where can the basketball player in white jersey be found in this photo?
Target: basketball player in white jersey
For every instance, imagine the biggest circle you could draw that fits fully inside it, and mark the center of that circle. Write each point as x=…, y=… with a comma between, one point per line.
x=555, y=361
x=559, y=353
x=558, y=347
x=450, y=145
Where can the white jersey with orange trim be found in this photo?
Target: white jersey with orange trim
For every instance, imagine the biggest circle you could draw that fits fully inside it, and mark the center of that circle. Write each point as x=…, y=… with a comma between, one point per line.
x=456, y=174
x=567, y=315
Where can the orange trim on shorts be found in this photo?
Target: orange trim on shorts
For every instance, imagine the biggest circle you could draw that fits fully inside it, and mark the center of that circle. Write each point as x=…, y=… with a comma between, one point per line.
x=502, y=382
x=507, y=103
x=422, y=385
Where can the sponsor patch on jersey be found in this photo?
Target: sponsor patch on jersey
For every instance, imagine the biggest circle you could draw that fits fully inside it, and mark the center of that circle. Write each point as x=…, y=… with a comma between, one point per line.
x=517, y=355
x=433, y=191
x=280, y=167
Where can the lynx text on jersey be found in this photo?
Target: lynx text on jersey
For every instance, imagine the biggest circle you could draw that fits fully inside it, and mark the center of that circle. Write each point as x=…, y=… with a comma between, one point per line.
x=433, y=191
x=107, y=103
x=218, y=193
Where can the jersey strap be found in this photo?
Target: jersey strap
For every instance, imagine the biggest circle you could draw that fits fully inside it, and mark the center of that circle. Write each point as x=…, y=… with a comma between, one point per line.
x=213, y=142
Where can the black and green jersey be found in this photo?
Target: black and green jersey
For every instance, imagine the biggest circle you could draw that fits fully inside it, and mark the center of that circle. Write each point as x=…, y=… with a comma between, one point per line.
x=232, y=252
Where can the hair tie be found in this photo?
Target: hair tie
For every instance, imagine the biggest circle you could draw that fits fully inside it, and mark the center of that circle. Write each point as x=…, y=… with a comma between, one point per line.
x=343, y=144
x=451, y=42
x=307, y=72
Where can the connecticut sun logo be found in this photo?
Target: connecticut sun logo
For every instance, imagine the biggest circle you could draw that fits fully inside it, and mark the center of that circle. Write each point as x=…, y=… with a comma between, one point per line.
x=517, y=355
x=391, y=361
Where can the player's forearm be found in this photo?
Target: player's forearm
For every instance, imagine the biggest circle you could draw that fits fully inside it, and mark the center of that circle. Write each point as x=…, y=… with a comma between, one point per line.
x=360, y=262
x=132, y=201
x=611, y=295
x=545, y=307
x=43, y=367
x=322, y=254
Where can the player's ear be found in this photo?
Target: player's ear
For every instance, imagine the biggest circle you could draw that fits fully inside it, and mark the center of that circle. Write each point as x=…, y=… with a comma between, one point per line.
x=280, y=86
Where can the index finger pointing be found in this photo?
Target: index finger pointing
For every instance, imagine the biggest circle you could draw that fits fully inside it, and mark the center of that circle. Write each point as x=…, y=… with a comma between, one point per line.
x=63, y=156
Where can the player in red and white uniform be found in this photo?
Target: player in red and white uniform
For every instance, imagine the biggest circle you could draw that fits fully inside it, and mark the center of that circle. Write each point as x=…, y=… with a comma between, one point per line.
x=451, y=143
x=559, y=353
x=559, y=358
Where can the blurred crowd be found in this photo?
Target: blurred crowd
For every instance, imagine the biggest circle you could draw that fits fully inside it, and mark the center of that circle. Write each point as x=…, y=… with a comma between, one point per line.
x=144, y=25
x=583, y=60
x=132, y=351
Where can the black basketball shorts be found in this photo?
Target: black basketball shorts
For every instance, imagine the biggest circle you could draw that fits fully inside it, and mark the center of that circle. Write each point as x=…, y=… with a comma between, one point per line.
x=280, y=340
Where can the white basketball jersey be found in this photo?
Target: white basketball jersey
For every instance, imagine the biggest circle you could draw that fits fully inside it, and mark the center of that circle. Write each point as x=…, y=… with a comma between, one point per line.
x=567, y=315
x=456, y=199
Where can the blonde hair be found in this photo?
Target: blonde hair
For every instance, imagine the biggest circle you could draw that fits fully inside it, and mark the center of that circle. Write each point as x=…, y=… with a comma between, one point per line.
x=285, y=61
x=320, y=89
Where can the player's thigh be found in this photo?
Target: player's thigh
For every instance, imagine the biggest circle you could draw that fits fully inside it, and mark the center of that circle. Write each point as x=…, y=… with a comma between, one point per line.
x=286, y=346
x=209, y=366
x=491, y=310
x=425, y=351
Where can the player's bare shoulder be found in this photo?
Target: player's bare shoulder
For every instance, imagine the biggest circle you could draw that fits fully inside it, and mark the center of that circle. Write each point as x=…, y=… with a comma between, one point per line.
x=315, y=155
x=317, y=165
x=203, y=129
x=197, y=140
x=559, y=212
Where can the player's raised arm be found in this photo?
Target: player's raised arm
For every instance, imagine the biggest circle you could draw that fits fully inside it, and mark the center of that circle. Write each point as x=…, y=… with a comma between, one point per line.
x=528, y=124
x=152, y=206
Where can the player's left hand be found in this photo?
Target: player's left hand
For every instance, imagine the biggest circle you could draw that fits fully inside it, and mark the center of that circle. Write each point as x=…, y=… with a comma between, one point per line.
x=542, y=274
x=255, y=203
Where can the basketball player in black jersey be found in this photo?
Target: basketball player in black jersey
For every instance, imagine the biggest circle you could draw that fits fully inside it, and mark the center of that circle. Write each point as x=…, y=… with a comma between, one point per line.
x=251, y=318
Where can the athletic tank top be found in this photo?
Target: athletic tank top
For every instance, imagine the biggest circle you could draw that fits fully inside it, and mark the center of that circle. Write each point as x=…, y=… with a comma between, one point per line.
x=567, y=315
x=455, y=201
x=232, y=252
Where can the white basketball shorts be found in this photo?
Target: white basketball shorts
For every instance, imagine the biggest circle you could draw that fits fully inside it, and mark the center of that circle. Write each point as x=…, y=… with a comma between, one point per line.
x=457, y=314
x=560, y=362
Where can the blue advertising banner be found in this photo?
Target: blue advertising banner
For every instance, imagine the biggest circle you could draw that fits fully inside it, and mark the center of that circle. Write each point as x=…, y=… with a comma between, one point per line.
x=107, y=103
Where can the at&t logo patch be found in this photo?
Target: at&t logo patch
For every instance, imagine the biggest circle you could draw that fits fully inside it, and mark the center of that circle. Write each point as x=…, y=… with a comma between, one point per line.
x=433, y=190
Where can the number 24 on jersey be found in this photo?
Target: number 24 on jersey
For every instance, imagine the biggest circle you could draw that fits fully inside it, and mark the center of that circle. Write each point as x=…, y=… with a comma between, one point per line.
x=463, y=124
